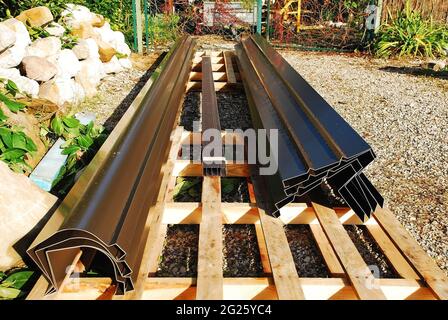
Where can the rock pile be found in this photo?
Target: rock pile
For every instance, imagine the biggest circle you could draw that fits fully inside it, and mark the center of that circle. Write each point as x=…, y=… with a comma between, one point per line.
x=46, y=68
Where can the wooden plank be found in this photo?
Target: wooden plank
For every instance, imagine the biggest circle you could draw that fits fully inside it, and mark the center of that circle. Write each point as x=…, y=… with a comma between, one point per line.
x=330, y=257
x=399, y=263
x=186, y=168
x=248, y=288
x=414, y=254
x=214, y=60
x=231, y=138
x=211, y=53
x=264, y=257
x=282, y=264
x=357, y=271
x=264, y=288
x=216, y=67
x=231, y=77
x=210, y=256
x=219, y=86
x=217, y=77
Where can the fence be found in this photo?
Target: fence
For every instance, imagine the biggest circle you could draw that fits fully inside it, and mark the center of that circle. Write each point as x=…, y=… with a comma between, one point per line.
x=435, y=9
x=337, y=24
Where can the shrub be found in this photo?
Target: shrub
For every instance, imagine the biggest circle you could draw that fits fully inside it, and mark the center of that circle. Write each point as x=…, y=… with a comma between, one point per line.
x=410, y=34
x=163, y=28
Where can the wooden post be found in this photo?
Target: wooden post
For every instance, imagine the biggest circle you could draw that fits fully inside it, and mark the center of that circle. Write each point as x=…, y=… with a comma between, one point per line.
x=378, y=15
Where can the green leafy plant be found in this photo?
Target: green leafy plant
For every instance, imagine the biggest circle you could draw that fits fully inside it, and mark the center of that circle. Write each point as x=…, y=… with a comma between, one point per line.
x=186, y=187
x=121, y=55
x=164, y=28
x=81, y=144
x=409, y=34
x=15, y=145
x=13, y=285
x=68, y=40
x=36, y=32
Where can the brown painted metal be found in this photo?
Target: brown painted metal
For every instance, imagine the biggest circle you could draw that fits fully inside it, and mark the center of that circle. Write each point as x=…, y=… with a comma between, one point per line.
x=106, y=210
x=315, y=143
x=214, y=164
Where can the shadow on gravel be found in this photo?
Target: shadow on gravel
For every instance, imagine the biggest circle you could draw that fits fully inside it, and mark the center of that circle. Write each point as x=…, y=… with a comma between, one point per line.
x=416, y=71
x=111, y=122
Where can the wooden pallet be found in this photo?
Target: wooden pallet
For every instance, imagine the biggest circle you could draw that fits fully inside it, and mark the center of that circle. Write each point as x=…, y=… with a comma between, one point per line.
x=349, y=278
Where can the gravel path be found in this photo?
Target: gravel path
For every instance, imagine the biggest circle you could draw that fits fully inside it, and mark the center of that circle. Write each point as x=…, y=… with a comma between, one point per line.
x=404, y=117
x=117, y=91
x=307, y=257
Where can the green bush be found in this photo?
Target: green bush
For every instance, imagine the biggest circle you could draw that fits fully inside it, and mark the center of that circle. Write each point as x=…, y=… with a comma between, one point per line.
x=410, y=34
x=15, y=145
x=163, y=28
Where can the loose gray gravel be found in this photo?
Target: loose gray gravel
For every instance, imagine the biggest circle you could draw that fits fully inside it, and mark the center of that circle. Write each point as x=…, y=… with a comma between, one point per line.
x=370, y=251
x=117, y=91
x=240, y=251
x=404, y=117
x=307, y=257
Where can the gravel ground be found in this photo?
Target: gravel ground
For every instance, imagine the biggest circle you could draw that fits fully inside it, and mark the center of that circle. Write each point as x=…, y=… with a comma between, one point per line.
x=116, y=92
x=240, y=250
x=404, y=118
x=179, y=256
x=370, y=251
x=233, y=110
x=190, y=110
x=307, y=257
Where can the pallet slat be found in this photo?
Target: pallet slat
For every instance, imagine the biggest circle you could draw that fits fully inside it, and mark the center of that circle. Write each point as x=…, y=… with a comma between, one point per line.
x=425, y=266
x=210, y=256
x=355, y=267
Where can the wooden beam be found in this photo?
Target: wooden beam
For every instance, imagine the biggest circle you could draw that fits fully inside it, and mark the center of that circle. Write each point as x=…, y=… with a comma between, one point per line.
x=211, y=53
x=264, y=288
x=216, y=67
x=231, y=76
x=186, y=168
x=210, y=256
x=217, y=77
x=194, y=138
x=330, y=257
x=215, y=60
x=414, y=254
x=399, y=263
x=282, y=263
x=219, y=86
x=357, y=271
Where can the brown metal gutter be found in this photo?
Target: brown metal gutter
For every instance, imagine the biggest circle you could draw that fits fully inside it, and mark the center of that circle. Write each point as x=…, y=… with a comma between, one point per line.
x=315, y=143
x=107, y=208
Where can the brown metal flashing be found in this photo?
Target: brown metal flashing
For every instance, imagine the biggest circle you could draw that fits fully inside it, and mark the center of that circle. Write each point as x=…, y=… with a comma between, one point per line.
x=315, y=143
x=106, y=210
x=214, y=164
